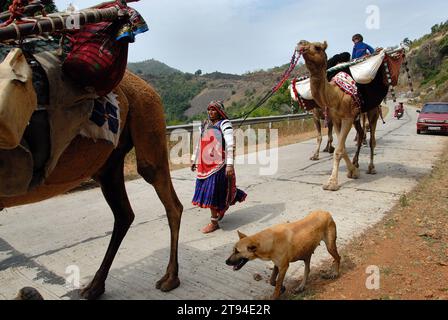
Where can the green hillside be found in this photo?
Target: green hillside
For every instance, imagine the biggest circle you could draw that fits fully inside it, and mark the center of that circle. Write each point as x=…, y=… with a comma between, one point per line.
x=428, y=62
x=152, y=67
x=185, y=95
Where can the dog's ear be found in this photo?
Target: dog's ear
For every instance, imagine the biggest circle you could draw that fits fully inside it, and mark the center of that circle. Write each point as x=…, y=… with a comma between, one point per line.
x=241, y=235
x=252, y=248
x=325, y=45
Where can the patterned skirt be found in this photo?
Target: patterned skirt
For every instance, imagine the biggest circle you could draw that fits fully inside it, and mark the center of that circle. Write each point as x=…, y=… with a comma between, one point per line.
x=215, y=192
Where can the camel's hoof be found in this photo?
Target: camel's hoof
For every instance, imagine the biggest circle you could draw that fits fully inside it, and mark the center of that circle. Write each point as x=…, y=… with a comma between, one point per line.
x=167, y=284
x=330, y=187
x=354, y=174
x=92, y=292
x=273, y=282
x=329, y=150
x=371, y=170
x=314, y=158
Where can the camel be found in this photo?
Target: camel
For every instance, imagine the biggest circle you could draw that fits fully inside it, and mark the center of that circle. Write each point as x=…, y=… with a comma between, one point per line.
x=143, y=128
x=318, y=112
x=342, y=109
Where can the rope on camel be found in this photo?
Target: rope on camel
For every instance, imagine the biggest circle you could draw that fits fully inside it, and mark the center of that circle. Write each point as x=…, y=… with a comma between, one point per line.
x=292, y=65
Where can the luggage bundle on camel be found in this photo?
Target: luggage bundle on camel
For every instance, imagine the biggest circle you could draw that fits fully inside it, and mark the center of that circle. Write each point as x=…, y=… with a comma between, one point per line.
x=374, y=76
x=47, y=96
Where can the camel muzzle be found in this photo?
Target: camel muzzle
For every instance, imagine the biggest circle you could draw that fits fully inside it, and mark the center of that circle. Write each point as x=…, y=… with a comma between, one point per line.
x=302, y=45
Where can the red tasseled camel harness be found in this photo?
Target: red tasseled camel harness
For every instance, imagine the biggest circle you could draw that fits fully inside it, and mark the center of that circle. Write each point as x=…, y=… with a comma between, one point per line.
x=17, y=10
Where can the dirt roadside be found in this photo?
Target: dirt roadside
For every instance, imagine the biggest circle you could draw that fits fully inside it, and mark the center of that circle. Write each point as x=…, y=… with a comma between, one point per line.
x=409, y=248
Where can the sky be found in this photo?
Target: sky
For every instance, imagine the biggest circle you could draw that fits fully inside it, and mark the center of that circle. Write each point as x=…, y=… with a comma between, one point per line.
x=238, y=36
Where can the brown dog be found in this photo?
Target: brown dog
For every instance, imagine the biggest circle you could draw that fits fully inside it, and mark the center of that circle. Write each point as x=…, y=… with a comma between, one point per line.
x=287, y=243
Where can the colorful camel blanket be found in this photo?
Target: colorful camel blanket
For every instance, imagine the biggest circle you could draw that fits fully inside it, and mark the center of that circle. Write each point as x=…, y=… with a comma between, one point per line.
x=344, y=81
x=135, y=26
x=301, y=92
x=104, y=122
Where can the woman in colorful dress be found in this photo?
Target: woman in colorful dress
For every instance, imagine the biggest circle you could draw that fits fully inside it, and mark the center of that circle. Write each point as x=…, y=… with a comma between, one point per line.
x=213, y=159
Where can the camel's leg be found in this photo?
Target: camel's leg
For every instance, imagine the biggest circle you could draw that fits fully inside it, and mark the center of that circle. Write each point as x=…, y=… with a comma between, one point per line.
x=373, y=116
x=333, y=181
x=329, y=148
x=157, y=173
x=301, y=288
x=342, y=129
x=147, y=125
x=161, y=181
x=152, y=164
x=352, y=170
x=111, y=180
x=359, y=135
x=317, y=125
x=364, y=128
x=363, y=120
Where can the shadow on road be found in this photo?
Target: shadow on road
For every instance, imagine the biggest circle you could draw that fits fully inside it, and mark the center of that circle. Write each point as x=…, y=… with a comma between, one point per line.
x=260, y=213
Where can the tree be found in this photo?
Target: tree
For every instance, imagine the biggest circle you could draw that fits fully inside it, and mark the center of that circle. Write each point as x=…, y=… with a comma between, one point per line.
x=407, y=42
x=49, y=6
x=198, y=73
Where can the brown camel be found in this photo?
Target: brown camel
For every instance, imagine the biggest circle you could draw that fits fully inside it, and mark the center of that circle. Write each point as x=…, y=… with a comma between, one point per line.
x=318, y=112
x=143, y=128
x=342, y=108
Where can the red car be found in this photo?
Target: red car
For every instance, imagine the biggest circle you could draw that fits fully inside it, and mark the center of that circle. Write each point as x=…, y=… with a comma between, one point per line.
x=433, y=117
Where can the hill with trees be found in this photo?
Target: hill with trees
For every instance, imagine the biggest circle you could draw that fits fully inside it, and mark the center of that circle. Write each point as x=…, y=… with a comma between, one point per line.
x=428, y=62
x=185, y=95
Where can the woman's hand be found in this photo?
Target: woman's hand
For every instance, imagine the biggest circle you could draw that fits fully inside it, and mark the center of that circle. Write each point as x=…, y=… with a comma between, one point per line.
x=230, y=171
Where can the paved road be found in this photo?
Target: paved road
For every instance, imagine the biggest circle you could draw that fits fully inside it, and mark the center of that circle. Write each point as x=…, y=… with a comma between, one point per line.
x=38, y=242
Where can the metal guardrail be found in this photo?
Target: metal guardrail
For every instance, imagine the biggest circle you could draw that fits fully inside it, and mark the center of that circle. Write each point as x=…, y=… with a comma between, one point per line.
x=249, y=121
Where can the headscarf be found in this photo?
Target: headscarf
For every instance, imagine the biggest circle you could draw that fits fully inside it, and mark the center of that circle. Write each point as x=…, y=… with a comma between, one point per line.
x=219, y=107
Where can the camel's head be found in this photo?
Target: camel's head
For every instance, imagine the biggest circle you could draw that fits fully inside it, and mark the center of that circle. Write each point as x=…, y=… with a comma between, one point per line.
x=313, y=53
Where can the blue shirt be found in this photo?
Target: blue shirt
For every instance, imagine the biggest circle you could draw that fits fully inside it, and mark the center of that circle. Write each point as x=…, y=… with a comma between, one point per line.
x=360, y=49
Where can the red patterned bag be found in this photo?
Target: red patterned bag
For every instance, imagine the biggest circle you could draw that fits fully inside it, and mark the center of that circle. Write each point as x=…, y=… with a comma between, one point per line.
x=96, y=59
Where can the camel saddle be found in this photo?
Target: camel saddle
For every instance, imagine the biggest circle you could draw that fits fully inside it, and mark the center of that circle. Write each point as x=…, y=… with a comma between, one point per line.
x=18, y=98
x=369, y=75
x=17, y=102
x=69, y=107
